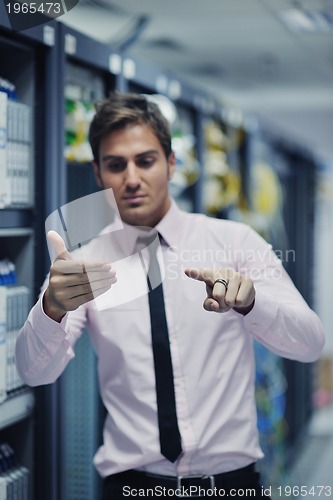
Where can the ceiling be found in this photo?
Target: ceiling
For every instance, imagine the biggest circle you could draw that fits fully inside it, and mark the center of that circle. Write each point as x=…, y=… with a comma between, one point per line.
x=239, y=50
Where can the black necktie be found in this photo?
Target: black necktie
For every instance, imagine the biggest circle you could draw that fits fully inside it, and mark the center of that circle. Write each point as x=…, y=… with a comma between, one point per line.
x=166, y=405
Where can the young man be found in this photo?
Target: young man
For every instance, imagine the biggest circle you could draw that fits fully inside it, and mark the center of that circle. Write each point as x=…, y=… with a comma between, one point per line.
x=204, y=396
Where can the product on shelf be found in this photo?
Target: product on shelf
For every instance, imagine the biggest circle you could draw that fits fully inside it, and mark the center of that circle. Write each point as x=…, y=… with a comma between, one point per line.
x=83, y=88
x=187, y=167
x=7, y=272
x=79, y=114
x=14, y=308
x=8, y=88
x=14, y=478
x=15, y=151
x=271, y=386
x=3, y=147
x=222, y=184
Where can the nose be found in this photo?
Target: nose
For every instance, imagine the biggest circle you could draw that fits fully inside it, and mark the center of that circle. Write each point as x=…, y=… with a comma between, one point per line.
x=132, y=177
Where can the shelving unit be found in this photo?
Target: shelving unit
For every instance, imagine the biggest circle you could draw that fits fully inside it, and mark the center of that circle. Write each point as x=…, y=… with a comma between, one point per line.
x=299, y=182
x=25, y=60
x=269, y=184
x=290, y=228
x=16, y=408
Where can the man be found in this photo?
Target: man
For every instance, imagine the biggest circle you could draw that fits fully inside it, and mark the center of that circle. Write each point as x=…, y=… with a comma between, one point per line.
x=208, y=366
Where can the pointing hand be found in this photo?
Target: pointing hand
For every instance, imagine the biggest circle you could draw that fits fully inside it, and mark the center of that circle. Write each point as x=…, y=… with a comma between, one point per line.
x=226, y=289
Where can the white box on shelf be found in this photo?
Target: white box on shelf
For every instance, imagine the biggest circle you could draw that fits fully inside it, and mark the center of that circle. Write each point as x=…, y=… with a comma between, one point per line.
x=3, y=334
x=3, y=148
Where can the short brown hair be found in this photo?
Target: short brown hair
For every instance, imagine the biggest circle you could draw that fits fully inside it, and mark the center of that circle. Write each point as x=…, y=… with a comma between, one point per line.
x=122, y=109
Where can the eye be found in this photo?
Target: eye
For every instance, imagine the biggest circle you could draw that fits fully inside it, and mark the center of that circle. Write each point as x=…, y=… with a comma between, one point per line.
x=145, y=161
x=116, y=166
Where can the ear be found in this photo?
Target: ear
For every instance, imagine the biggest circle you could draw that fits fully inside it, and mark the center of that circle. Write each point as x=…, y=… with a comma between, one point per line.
x=97, y=174
x=171, y=165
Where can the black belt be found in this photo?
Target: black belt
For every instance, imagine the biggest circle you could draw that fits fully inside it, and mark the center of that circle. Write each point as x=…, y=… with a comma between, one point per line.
x=246, y=477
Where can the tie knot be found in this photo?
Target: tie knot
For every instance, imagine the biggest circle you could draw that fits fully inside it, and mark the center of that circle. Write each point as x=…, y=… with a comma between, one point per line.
x=150, y=243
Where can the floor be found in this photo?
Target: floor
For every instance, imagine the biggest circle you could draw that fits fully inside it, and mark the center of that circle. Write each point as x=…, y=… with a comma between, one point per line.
x=313, y=470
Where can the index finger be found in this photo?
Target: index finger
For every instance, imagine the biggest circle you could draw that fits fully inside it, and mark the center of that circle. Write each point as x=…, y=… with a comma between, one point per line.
x=205, y=275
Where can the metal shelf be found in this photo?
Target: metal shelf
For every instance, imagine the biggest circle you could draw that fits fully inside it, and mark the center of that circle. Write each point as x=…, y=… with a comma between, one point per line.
x=15, y=231
x=16, y=218
x=16, y=408
x=81, y=48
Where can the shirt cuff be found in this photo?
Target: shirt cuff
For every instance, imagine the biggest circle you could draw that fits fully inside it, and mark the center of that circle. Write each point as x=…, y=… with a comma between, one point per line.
x=263, y=314
x=45, y=327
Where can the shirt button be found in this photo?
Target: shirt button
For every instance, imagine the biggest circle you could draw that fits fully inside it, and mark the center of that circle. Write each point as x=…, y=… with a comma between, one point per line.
x=253, y=325
x=56, y=334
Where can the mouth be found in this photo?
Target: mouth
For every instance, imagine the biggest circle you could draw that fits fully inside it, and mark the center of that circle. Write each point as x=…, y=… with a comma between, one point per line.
x=134, y=199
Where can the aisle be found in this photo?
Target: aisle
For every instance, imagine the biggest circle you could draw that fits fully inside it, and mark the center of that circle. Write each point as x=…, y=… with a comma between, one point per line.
x=313, y=469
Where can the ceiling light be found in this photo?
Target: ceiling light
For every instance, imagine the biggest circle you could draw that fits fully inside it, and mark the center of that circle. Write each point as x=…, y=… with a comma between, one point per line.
x=307, y=21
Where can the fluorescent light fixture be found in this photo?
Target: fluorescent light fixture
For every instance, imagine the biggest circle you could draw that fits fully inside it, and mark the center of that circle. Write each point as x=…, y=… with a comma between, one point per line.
x=307, y=21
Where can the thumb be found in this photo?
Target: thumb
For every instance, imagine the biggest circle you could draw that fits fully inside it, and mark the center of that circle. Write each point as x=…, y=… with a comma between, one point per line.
x=57, y=244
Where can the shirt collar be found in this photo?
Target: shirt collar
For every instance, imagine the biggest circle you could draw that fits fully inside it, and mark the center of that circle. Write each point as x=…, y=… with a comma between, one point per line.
x=169, y=227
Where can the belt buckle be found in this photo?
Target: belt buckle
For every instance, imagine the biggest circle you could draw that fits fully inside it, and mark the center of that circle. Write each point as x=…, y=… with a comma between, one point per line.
x=179, y=485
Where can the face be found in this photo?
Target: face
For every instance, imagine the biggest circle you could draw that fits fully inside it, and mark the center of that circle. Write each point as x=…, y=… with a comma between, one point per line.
x=132, y=162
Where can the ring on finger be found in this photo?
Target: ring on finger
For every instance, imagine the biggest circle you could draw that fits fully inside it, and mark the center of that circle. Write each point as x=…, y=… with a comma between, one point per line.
x=222, y=281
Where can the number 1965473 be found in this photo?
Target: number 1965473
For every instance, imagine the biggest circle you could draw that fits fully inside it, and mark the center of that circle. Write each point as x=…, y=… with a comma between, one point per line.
x=48, y=8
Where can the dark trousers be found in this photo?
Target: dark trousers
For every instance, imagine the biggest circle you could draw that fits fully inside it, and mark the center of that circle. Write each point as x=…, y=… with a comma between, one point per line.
x=240, y=484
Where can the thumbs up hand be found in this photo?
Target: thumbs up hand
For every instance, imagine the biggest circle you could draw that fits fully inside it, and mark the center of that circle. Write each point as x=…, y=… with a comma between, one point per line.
x=73, y=282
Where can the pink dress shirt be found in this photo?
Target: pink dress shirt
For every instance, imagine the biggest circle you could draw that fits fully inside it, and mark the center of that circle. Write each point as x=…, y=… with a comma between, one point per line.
x=212, y=353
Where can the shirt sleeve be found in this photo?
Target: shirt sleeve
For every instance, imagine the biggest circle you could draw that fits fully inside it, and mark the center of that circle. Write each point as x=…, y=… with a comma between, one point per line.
x=280, y=319
x=44, y=347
